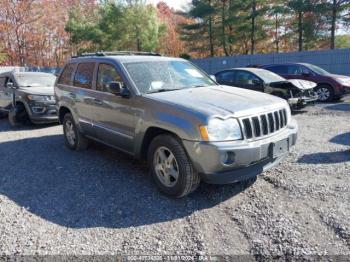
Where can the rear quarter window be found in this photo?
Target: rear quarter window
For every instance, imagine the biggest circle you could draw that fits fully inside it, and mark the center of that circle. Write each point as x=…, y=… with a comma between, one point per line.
x=84, y=75
x=67, y=74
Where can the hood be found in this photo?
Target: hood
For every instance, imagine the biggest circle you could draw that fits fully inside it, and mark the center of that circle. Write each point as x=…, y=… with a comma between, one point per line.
x=220, y=100
x=47, y=90
x=303, y=84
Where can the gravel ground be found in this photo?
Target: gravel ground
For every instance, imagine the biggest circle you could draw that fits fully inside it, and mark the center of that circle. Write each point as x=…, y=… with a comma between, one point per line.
x=57, y=202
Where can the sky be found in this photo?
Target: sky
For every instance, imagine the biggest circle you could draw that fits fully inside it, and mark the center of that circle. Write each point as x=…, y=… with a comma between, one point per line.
x=176, y=4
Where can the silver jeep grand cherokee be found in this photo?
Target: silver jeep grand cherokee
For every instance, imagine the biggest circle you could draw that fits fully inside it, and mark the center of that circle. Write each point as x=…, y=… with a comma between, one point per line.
x=170, y=113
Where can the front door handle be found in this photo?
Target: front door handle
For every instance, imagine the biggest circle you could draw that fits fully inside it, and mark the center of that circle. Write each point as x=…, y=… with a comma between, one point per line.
x=98, y=102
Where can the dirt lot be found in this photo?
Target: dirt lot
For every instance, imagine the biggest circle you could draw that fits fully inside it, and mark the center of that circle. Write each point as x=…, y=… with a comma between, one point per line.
x=54, y=201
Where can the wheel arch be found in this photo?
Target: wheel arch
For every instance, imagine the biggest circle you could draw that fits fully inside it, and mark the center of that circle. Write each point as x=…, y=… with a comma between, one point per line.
x=63, y=110
x=151, y=133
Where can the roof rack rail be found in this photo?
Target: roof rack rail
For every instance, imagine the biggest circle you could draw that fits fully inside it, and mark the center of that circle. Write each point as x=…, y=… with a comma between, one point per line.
x=111, y=53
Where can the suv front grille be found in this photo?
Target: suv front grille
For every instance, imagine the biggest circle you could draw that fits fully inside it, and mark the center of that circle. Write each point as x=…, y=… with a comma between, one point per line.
x=265, y=124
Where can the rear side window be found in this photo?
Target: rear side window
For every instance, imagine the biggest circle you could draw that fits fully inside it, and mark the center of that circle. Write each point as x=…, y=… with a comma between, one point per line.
x=66, y=76
x=280, y=70
x=83, y=76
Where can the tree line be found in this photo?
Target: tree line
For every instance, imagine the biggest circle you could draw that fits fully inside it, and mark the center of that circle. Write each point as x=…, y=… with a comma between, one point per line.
x=226, y=27
x=47, y=32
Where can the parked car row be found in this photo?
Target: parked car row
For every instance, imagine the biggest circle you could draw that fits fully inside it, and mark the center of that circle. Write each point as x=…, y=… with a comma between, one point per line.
x=166, y=111
x=298, y=93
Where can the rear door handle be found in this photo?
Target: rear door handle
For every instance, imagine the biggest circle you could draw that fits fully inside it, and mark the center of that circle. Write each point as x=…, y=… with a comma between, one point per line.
x=98, y=102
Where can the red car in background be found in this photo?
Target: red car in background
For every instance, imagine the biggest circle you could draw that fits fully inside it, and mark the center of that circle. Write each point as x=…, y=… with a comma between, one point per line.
x=330, y=87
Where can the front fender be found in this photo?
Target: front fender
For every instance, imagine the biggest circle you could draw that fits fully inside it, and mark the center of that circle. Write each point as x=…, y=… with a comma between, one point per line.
x=184, y=127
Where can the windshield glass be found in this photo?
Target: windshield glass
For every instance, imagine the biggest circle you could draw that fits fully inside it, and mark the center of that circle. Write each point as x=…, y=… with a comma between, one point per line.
x=156, y=76
x=269, y=77
x=318, y=70
x=29, y=80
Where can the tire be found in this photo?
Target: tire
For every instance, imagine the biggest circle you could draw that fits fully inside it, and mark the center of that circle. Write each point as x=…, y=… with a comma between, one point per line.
x=325, y=93
x=18, y=116
x=74, y=139
x=187, y=179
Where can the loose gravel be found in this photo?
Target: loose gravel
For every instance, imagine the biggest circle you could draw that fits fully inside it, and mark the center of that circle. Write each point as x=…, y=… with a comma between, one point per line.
x=101, y=202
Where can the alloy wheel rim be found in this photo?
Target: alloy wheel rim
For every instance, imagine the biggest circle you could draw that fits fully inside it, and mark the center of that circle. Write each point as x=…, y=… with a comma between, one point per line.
x=166, y=167
x=323, y=94
x=70, y=134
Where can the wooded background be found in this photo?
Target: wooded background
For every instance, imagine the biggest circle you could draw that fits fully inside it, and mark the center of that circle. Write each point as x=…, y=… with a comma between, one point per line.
x=47, y=32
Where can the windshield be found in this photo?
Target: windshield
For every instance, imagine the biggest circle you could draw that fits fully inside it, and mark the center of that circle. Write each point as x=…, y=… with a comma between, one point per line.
x=269, y=77
x=318, y=70
x=157, y=76
x=28, y=80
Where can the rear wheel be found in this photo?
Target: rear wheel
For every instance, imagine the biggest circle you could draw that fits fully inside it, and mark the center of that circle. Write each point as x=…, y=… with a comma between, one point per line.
x=171, y=169
x=74, y=139
x=325, y=93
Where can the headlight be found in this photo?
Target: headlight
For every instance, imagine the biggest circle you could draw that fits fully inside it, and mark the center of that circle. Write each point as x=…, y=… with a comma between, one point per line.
x=343, y=81
x=38, y=98
x=221, y=130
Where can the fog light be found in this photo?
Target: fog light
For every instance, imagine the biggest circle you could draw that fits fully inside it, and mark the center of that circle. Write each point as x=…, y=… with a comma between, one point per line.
x=227, y=158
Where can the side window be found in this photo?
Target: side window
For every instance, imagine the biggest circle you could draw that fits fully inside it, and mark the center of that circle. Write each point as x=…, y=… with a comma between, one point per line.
x=2, y=82
x=106, y=75
x=295, y=70
x=280, y=70
x=226, y=77
x=246, y=78
x=66, y=76
x=83, y=76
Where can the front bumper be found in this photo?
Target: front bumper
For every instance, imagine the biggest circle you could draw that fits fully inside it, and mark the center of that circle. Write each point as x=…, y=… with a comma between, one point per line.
x=345, y=90
x=249, y=158
x=300, y=102
x=42, y=113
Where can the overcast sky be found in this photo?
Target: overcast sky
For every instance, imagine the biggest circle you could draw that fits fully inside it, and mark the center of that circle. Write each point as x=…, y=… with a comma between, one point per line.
x=177, y=4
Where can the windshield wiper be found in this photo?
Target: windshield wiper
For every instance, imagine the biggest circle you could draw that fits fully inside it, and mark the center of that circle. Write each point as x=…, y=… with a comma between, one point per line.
x=163, y=90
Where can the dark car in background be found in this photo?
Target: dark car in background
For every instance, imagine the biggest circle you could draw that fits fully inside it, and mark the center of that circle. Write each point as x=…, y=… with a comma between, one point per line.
x=28, y=97
x=330, y=87
x=298, y=93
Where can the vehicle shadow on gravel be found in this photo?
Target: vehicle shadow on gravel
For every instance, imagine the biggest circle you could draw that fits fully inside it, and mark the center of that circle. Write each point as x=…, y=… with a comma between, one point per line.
x=338, y=107
x=343, y=139
x=326, y=158
x=5, y=126
x=96, y=188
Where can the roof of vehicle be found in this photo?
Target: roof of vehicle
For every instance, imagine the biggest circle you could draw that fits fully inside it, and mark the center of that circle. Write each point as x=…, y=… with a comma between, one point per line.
x=249, y=69
x=27, y=73
x=126, y=58
x=288, y=63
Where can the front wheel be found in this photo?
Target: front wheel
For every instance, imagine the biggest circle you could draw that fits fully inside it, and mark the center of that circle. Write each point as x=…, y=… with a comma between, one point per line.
x=325, y=93
x=171, y=169
x=18, y=116
x=74, y=139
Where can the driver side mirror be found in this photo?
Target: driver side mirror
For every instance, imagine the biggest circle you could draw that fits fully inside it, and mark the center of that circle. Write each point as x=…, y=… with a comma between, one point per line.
x=213, y=78
x=10, y=85
x=118, y=89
